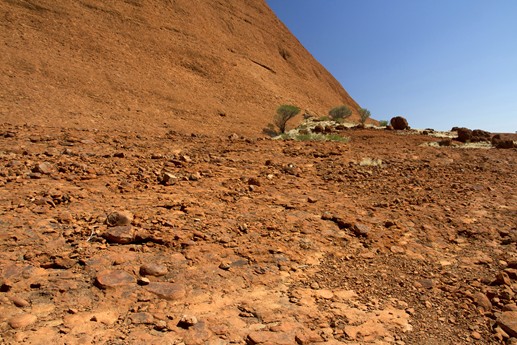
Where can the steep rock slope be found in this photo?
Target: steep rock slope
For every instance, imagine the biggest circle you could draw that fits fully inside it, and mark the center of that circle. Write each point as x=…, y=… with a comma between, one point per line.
x=207, y=66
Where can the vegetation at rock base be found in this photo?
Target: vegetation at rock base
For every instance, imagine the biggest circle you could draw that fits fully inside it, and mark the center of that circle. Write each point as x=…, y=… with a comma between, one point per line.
x=284, y=113
x=316, y=137
x=340, y=113
x=383, y=123
x=364, y=114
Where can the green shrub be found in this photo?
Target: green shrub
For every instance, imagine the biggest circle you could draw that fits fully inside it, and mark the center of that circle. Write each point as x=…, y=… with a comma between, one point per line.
x=340, y=113
x=364, y=114
x=284, y=113
x=383, y=123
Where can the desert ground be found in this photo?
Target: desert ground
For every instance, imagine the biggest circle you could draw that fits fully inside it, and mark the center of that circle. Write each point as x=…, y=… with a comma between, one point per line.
x=115, y=237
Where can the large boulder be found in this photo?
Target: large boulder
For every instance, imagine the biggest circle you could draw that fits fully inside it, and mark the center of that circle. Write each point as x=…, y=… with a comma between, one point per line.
x=501, y=143
x=479, y=135
x=464, y=134
x=399, y=123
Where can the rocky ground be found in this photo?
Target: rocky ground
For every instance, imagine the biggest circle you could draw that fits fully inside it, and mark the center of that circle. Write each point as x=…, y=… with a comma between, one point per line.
x=124, y=238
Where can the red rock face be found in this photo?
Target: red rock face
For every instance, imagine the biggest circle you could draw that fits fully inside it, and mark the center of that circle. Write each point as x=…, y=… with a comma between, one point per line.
x=203, y=66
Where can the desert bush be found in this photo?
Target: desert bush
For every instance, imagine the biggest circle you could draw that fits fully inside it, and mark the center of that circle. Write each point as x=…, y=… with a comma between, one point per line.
x=284, y=113
x=364, y=114
x=383, y=123
x=340, y=113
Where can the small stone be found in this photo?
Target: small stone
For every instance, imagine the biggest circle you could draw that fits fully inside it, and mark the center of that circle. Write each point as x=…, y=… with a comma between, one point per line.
x=225, y=266
x=22, y=320
x=361, y=230
x=168, y=179
x=510, y=307
x=119, y=218
x=475, y=335
x=141, y=318
x=44, y=168
x=152, y=269
x=114, y=278
x=64, y=263
x=426, y=283
x=502, y=278
x=253, y=181
x=187, y=321
x=307, y=337
x=263, y=337
x=168, y=291
x=120, y=234
x=144, y=281
x=397, y=250
x=482, y=301
x=19, y=302
x=508, y=322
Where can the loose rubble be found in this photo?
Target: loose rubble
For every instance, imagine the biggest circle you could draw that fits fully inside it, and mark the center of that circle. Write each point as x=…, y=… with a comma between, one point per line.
x=177, y=239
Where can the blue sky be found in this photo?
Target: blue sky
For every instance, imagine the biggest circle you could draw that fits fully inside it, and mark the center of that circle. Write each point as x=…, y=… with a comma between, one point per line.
x=439, y=63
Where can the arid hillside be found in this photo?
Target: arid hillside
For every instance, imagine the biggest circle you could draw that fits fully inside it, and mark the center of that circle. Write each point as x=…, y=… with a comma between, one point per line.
x=200, y=66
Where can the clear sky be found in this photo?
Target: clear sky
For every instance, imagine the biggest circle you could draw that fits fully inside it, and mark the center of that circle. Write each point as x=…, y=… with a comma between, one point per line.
x=439, y=63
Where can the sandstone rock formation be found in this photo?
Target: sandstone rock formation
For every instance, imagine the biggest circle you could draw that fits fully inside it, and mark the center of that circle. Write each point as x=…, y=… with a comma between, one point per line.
x=200, y=66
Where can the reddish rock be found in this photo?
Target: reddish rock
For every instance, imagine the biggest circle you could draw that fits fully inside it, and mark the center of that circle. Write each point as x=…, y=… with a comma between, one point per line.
x=120, y=234
x=19, y=302
x=508, y=322
x=44, y=168
x=169, y=291
x=119, y=218
x=479, y=135
x=141, y=318
x=152, y=269
x=361, y=230
x=22, y=320
x=464, y=135
x=263, y=337
x=482, y=301
x=399, y=123
x=114, y=278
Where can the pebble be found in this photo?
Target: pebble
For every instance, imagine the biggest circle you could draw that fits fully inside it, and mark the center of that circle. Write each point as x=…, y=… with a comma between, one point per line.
x=361, y=230
x=187, y=321
x=508, y=322
x=482, y=301
x=19, y=302
x=120, y=234
x=119, y=218
x=141, y=318
x=168, y=291
x=45, y=168
x=114, y=278
x=168, y=179
x=22, y=320
x=475, y=335
x=152, y=269
x=502, y=278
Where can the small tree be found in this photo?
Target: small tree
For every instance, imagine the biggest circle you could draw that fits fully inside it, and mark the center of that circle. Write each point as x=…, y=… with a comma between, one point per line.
x=284, y=113
x=340, y=113
x=364, y=114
